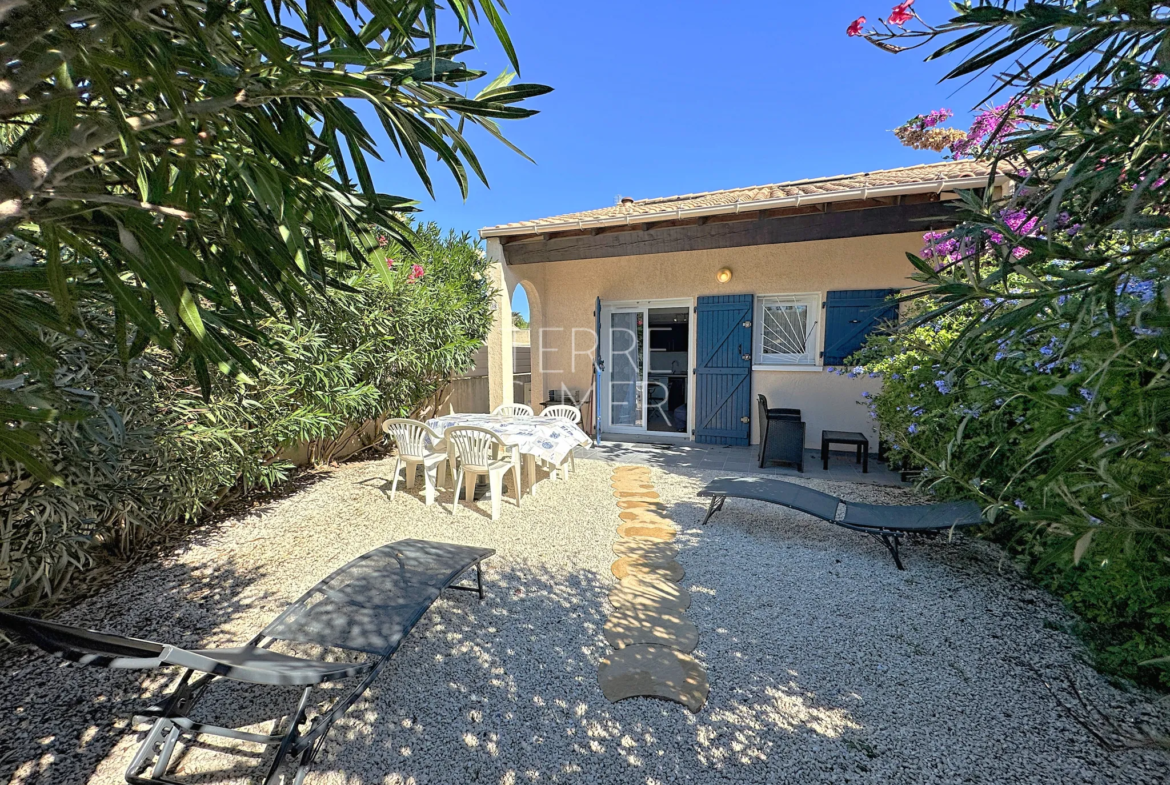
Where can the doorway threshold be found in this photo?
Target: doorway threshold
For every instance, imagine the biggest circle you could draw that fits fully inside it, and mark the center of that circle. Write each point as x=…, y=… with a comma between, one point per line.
x=665, y=438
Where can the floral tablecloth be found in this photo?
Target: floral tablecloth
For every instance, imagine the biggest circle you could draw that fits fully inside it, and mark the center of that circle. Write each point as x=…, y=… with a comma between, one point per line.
x=547, y=438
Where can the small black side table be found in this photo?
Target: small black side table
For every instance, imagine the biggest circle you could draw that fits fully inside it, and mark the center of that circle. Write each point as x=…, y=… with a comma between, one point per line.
x=846, y=437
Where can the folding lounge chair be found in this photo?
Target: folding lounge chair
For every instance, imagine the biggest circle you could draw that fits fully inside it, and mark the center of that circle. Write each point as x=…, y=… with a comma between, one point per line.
x=885, y=523
x=366, y=607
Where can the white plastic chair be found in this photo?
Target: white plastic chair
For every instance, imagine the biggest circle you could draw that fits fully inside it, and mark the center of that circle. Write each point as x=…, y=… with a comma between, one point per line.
x=475, y=451
x=513, y=410
x=563, y=411
x=411, y=437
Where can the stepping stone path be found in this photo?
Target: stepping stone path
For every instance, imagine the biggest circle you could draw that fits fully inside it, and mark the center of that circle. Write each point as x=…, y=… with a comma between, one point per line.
x=648, y=626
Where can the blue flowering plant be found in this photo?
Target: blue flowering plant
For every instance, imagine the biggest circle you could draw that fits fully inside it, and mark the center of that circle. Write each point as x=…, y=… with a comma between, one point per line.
x=1060, y=428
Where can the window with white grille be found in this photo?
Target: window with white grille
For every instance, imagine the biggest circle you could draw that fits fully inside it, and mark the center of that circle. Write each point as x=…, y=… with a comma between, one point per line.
x=786, y=329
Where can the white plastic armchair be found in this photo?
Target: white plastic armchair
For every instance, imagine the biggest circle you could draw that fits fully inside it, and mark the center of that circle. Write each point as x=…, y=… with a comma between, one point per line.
x=563, y=411
x=478, y=451
x=513, y=410
x=418, y=445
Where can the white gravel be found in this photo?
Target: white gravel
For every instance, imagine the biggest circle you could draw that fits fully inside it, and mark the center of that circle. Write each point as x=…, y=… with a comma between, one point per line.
x=826, y=664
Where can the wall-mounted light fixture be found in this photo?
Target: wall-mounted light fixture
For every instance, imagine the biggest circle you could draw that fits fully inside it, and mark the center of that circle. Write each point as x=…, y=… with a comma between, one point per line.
x=724, y=275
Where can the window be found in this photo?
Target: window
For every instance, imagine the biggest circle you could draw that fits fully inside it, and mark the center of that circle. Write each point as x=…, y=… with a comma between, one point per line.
x=786, y=331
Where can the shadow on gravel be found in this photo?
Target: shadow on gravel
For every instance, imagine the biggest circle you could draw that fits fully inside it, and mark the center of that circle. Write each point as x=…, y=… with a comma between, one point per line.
x=825, y=663
x=499, y=691
x=58, y=721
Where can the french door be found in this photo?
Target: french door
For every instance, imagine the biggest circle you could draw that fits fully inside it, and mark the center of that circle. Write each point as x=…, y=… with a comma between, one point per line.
x=626, y=367
x=629, y=387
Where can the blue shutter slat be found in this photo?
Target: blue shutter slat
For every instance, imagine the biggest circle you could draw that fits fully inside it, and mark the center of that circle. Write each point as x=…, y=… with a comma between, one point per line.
x=852, y=315
x=723, y=376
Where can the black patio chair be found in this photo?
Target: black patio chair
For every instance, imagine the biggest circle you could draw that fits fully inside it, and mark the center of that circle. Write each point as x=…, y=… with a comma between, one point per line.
x=781, y=435
x=366, y=607
x=886, y=523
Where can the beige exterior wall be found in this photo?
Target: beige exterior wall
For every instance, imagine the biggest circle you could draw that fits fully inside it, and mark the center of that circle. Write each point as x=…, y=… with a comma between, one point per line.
x=561, y=296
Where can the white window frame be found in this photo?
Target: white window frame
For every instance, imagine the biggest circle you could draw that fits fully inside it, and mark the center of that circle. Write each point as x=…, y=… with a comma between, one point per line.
x=809, y=359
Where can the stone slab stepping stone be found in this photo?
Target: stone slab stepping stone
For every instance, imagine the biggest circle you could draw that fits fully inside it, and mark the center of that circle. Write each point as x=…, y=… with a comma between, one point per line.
x=626, y=504
x=634, y=529
x=669, y=569
x=650, y=516
x=647, y=591
x=630, y=479
x=632, y=487
x=646, y=550
x=632, y=626
x=637, y=495
x=653, y=672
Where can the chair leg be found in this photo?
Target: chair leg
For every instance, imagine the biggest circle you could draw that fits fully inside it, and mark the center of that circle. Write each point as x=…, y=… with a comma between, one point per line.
x=146, y=749
x=516, y=481
x=411, y=473
x=496, y=481
x=441, y=474
x=458, y=487
x=530, y=470
x=394, y=485
x=470, y=480
x=164, y=755
x=715, y=506
x=430, y=478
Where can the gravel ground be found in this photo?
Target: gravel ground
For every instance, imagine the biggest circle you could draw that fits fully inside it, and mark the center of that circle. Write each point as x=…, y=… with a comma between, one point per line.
x=826, y=664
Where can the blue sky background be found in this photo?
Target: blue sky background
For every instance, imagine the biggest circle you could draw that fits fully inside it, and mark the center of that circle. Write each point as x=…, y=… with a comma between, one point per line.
x=663, y=97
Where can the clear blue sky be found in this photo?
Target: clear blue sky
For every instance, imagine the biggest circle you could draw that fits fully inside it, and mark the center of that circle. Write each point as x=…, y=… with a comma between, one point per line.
x=663, y=97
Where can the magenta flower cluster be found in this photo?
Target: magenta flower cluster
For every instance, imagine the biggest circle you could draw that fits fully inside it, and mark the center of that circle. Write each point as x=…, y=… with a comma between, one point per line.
x=988, y=129
x=946, y=248
x=931, y=119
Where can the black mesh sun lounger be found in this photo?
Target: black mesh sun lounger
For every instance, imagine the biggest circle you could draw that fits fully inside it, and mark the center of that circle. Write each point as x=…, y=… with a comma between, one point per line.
x=885, y=523
x=368, y=606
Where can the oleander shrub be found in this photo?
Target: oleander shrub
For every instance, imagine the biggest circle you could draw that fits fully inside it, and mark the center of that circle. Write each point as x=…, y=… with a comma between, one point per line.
x=1060, y=429
x=144, y=449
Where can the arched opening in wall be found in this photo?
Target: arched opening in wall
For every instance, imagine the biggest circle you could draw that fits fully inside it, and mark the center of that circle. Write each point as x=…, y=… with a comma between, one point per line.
x=526, y=381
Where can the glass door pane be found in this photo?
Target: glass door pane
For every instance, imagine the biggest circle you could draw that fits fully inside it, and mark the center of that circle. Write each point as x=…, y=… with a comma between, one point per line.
x=626, y=376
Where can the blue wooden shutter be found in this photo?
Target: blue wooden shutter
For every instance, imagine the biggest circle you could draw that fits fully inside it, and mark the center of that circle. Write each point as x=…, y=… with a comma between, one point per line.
x=723, y=370
x=852, y=315
x=598, y=367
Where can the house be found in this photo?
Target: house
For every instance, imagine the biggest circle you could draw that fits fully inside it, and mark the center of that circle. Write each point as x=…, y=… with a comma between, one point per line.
x=697, y=303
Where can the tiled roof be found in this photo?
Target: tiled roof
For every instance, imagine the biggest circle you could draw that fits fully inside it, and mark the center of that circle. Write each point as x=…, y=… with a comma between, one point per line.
x=820, y=187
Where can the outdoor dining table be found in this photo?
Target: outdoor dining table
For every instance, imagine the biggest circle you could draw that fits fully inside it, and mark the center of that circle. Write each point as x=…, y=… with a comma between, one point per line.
x=548, y=439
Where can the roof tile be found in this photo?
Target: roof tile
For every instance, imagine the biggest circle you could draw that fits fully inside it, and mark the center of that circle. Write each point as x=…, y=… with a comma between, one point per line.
x=946, y=170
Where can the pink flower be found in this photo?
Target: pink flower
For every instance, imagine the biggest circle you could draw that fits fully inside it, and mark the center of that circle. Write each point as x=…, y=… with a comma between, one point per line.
x=416, y=272
x=901, y=13
x=855, y=28
x=389, y=262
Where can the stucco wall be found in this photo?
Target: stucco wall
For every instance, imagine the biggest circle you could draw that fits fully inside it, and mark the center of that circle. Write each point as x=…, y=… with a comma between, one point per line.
x=562, y=331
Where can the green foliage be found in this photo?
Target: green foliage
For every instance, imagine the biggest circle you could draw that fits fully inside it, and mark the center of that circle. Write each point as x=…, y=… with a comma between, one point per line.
x=198, y=167
x=1039, y=352
x=1059, y=429
x=153, y=451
